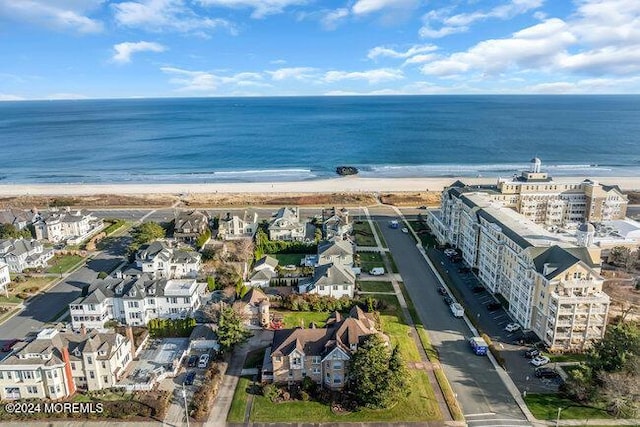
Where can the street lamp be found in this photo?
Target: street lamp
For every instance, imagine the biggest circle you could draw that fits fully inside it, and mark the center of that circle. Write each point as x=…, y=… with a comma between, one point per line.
x=558, y=417
x=184, y=396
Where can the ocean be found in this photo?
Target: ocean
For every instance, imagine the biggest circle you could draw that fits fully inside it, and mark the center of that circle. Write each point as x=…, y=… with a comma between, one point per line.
x=199, y=140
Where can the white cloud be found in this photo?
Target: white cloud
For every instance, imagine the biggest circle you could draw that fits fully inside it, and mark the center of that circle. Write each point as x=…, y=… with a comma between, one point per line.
x=205, y=81
x=10, y=97
x=420, y=59
x=383, y=51
x=261, y=8
x=371, y=76
x=365, y=7
x=278, y=62
x=297, y=73
x=460, y=23
x=57, y=14
x=332, y=18
x=123, y=51
x=166, y=15
x=65, y=95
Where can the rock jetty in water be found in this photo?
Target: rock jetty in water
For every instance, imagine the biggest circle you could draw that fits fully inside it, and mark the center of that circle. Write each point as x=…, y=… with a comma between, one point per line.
x=346, y=170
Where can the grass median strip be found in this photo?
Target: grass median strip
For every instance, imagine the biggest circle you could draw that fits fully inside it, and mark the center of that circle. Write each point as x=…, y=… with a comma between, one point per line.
x=545, y=407
x=239, y=403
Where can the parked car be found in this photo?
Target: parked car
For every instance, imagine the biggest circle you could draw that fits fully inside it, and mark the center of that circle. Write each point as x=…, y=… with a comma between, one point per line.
x=512, y=327
x=190, y=378
x=9, y=345
x=539, y=360
x=448, y=300
x=493, y=306
x=376, y=271
x=203, y=362
x=422, y=207
x=477, y=289
x=546, y=373
x=193, y=361
x=531, y=353
x=405, y=230
x=442, y=290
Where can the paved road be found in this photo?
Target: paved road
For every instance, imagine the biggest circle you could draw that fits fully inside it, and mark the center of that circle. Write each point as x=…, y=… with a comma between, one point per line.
x=484, y=397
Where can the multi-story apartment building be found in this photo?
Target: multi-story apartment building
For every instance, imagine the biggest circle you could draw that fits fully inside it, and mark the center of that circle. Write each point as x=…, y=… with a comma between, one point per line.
x=322, y=354
x=540, y=273
x=21, y=253
x=231, y=227
x=285, y=225
x=4, y=276
x=159, y=260
x=57, y=363
x=61, y=225
x=134, y=301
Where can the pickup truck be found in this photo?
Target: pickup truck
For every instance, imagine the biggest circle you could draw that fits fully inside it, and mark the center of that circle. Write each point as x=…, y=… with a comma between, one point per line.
x=479, y=345
x=456, y=309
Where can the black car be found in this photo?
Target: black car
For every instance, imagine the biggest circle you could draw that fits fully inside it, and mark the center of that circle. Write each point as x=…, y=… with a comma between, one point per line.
x=531, y=353
x=193, y=361
x=190, y=378
x=448, y=300
x=442, y=290
x=477, y=289
x=493, y=306
x=546, y=373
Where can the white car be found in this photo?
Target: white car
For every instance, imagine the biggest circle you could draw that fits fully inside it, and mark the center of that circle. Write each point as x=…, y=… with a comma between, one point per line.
x=203, y=361
x=539, y=360
x=512, y=327
x=449, y=252
x=405, y=230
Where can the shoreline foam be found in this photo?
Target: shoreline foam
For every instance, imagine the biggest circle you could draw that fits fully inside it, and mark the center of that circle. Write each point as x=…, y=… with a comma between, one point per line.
x=350, y=184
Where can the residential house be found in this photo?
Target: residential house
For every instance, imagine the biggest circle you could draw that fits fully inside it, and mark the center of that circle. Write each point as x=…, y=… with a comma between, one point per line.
x=336, y=222
x=4, y=276
x=135, y=300
x=332, y=279
x=322, y=354
x=66, y=225
x=286, y=225
x=254, y=308
x=57, y=363
x=263, y=271
x=336, y=251
x=189, y=225
x=231, y=227
x=204, y=338
x=17, y=217
x=162, y=261
x=21, y=253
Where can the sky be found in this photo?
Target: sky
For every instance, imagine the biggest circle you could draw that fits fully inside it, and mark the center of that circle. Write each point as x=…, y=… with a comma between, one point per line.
x=76, y=49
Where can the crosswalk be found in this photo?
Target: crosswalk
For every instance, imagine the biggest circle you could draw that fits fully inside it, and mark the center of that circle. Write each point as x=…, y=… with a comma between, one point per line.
x=492, y=419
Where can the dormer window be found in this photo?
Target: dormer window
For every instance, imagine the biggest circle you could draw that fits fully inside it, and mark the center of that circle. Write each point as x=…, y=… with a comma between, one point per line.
x=102, y=353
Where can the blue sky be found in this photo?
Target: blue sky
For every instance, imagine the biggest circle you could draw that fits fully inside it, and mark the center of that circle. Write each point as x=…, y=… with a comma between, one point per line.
x=65, y=49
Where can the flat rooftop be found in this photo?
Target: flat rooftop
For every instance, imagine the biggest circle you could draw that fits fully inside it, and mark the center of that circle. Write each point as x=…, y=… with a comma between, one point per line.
x=179, y=287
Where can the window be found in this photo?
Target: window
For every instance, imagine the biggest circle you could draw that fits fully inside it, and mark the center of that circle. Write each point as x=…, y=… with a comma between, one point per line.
x=316, y=370
x=1, y=375
x=172, y=300
x=277, y=359
x=187, y=300
x=335, y=287
x=92, y=375
x=337, y=364
x=316, y=360
x=32, y=389
x=297, y=361
x=27, y=375
x=89, y=360
x=152, y=301
x=73, y=366
x=104, y=365
x=105, y=379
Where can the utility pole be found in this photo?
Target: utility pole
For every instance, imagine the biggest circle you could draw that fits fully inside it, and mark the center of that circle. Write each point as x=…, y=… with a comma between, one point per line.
x=186, y=411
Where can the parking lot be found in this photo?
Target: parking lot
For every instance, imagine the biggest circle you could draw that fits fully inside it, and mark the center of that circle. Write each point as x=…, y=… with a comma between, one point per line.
x=475, y=299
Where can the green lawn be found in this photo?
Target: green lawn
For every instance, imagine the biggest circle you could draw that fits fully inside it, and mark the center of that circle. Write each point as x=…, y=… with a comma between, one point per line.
x=545, y=407
x=426, y=238
x=380, y=236
x=399, y=333
x=239, y=403
x=294, y=319
x=63, y=263
x=569, y=357
x=288, y=259
x=372, y=286
x=369, y=260
x=420, y=405
x=394, y=267
x=27, y=287
x=116, y=224
x=363, y=234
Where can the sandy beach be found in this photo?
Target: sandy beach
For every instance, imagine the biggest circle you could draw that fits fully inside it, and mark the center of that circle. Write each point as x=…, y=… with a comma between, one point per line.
x=338, y=185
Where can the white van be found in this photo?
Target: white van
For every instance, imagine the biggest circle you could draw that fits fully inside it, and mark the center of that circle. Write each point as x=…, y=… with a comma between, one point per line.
x=377, y=271
x=204, y=361
x=456, y=309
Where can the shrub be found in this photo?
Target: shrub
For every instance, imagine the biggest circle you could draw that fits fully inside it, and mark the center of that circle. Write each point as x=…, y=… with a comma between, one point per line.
x=22, y=295
x=103, y=275
x=271, y=392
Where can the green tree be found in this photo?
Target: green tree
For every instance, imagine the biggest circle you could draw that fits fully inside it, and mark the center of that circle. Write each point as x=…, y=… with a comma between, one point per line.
x=203, y=239
x=211, y=284
x=241, y=288
x=147, y=232
x=620, y=344
x=378, y=378
x=9, y=231
x=231, y=330
x=619, y=256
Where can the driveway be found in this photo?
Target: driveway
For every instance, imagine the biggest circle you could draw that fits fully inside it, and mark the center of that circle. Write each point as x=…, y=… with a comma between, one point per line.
x=485, y=399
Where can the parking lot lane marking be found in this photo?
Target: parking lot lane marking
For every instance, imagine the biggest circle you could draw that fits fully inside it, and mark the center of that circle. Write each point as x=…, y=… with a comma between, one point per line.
x=498, y=316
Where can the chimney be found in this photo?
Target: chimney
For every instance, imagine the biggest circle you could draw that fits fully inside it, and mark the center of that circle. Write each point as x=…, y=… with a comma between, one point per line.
x=83, y=329
x=129, y=333
x=71, y=386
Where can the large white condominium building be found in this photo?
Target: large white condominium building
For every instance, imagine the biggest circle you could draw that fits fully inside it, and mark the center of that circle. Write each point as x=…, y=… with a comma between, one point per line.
x=551, y=280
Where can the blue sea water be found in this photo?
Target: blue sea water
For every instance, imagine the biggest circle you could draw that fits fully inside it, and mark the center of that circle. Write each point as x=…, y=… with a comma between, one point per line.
x=265, y=139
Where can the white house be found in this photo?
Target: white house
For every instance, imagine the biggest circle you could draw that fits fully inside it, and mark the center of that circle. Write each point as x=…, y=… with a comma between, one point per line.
x=19, y=254
x=4, y=276
x=263, y=271
x=336, y=222
x=61, y=225
x=161, y=261
x=333, y=280
x=135, y=301
x=57, y=363
x=286, y=225
x=17, y=217
x=336, y=251
x=232, y=227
